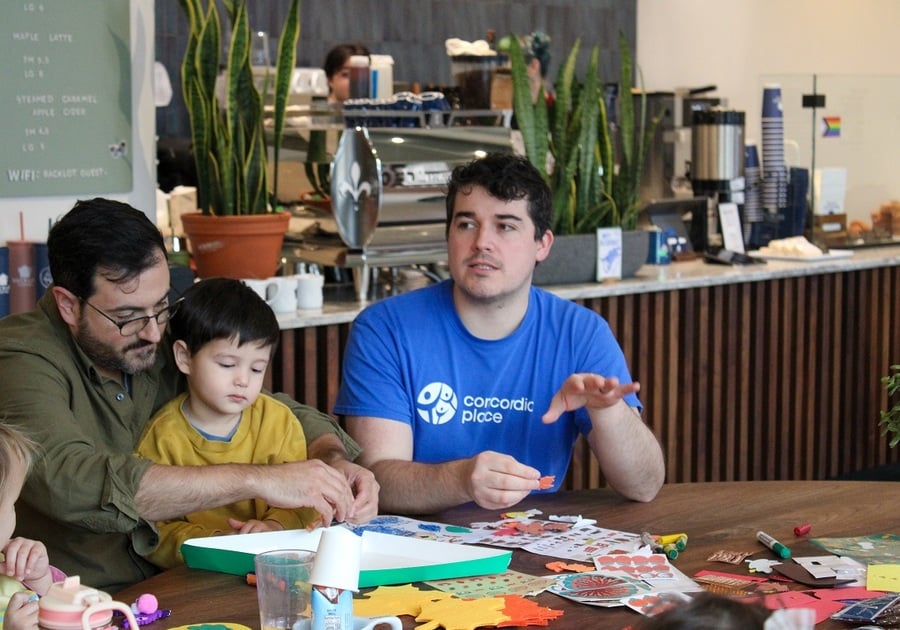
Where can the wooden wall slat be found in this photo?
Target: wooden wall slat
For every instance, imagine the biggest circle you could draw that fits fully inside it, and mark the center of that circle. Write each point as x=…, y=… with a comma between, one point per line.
x=777, y=379
x=809, y=361
x=746, y=381
x=760, y=306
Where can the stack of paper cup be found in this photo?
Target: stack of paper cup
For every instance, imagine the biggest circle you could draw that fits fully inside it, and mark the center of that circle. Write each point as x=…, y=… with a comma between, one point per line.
x=774, y=190
x=337, y=559
x=753, y=212
x=335, y=574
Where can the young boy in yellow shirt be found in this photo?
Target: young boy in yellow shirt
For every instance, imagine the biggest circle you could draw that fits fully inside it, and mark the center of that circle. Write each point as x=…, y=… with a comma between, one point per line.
x=223, y=336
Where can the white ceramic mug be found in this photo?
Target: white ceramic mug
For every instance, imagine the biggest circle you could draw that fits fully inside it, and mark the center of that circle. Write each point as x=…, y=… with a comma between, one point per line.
x=266, y=289
x=285, y=298
x=309, y=290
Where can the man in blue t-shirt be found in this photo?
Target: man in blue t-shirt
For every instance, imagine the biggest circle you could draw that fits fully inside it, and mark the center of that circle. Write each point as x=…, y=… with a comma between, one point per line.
x=476, y=388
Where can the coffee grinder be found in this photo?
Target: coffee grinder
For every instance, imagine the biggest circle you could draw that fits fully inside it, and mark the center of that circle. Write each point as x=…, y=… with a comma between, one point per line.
x=717, y=169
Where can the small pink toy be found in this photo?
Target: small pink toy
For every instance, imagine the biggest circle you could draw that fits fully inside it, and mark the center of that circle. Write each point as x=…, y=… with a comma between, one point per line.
x=146, y=610
x=145, y=604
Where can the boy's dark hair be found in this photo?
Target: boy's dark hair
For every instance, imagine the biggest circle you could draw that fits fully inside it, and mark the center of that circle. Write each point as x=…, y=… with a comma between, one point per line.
x=708, y=610
x=508, y=177
x=222, y=308
x=102, y=236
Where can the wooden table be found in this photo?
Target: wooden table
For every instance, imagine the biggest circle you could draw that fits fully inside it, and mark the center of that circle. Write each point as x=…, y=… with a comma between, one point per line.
x=715, y=516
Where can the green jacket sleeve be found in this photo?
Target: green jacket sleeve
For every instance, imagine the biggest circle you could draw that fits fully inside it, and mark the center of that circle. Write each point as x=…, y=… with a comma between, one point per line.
x=86, y=426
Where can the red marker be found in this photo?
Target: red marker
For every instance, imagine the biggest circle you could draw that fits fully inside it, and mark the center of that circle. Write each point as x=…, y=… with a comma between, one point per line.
x=802, y=530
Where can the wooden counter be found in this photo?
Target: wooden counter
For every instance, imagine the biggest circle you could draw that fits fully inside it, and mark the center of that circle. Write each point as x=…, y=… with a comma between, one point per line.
x=768, y=372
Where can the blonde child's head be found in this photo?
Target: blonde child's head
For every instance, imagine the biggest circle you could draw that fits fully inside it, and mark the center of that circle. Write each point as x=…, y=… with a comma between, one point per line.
x=16, y=450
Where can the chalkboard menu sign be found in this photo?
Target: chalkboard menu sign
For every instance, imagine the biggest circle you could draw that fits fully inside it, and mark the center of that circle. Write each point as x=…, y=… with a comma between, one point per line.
x=66, y=97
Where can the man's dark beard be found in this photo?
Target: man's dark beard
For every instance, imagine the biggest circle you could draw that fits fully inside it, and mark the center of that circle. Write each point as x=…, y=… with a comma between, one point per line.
x=109, y=359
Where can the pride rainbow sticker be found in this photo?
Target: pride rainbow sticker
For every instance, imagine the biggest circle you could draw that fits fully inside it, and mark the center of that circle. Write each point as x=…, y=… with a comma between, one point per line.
x=831, y=127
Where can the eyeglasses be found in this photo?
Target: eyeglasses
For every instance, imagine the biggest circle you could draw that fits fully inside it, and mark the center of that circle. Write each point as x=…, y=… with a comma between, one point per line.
x=133, y=326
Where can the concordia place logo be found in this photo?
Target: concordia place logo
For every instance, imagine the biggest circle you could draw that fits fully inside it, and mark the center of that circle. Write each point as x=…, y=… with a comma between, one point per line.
x=436, y=403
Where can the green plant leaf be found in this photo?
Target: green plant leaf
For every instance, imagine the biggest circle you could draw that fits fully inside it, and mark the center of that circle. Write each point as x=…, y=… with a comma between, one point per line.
x=198, y=83
x=589, y=107
x=522, y=105
x=255, y=176
x=890, y=418
x=201, y=138
x=626, y=102
x=562, y=105
x=284, y=68
x=206, y=52
x=317, y=164
x=231, y=7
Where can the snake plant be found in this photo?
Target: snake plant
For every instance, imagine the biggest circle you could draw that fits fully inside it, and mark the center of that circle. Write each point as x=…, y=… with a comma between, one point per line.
x=229, y=136
x=571, y=143
x=890, y=418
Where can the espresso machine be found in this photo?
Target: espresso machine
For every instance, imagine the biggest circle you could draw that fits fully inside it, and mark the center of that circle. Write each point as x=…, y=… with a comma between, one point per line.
x=407, y=228
x=668, y=163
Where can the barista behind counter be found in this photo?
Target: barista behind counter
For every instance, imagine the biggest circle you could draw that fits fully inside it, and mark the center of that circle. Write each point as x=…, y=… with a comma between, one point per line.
x=337, y=70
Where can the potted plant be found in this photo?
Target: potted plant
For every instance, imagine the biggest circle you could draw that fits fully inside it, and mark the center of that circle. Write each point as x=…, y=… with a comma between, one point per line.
x=594, y=175
x=890, y=418
x=229, y=142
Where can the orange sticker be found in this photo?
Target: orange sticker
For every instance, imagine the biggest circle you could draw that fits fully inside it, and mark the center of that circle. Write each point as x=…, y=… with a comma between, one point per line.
x=546, y=482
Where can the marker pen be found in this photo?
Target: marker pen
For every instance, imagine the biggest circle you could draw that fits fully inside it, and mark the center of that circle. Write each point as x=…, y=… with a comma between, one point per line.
x=648, y=541
x=679, y=540
x=779, y=549
x=671, y=551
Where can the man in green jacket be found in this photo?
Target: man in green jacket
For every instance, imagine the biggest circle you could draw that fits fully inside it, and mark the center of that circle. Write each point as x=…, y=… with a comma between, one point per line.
x=83, y=374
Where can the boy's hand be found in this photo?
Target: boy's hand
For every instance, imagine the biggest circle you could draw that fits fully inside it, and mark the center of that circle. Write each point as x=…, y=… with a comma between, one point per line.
x=27, y=562
x=253, y=525
x=21, y=612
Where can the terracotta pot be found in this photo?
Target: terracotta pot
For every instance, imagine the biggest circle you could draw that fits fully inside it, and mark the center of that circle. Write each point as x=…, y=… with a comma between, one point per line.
x=241, y=246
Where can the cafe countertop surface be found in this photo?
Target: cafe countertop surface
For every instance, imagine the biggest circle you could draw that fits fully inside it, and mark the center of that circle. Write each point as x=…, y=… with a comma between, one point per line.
x=339, y=309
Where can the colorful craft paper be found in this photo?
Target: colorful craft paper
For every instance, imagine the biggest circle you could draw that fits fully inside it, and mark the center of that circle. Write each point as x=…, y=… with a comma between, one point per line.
x=883, y=577
x=440, y=609
x=498, y=584
x=462, y=614
x=800, y=599
x=395, y=600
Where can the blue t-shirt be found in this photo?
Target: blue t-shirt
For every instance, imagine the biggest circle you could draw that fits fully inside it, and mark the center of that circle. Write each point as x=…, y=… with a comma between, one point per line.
x=410, y=359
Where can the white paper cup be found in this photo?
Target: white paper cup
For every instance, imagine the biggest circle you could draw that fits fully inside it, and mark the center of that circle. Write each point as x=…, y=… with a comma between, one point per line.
x=337, y=559
x=283, y=588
